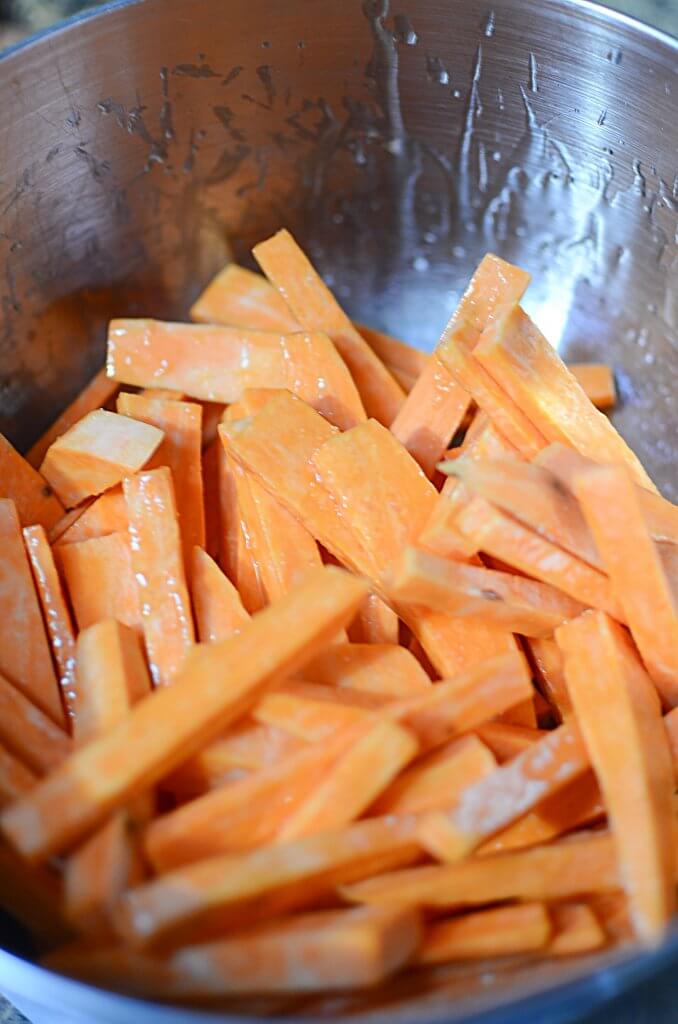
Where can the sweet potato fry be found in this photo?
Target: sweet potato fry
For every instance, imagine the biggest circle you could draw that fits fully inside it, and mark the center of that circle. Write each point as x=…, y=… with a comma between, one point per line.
x=180, y=451
x=402, y=360
x=174, y=722
x=456, y=352
x=375, y=623
x=597, y=382
x=16, y=779
x=583, y=863
x=100, y=580
x=24, y=650
x=213, y=895
x=341, y=949
x=28, y=733
x=503, y=537
x=33, y=896
x=514, y=788
x=620, y=717
x=246, y=813
x=437, y=779
x=639, y=583
x=95, y=395
x=219, y=612
x=437, y=404
x=470, y=591
x=34, y=498
x=354, y=781
x=316, y=309
x=55, y=612
x=96, y=453
x=216, y=364
x=506, y=740
x=243, y=298
x=517, y=354
x=566, y=464
x=112, y=676
x=502, y=931
x=276, y=445
x=458, y=705
x=210, y=483
x=533, y=495
x=576, y=930
x=385, y=669
x=313, y=718
x=237, y=514
x=157, y=561
x=106, y=514
x=579, y=803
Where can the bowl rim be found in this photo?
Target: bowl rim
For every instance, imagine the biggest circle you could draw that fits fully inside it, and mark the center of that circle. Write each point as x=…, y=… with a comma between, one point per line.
x=591, y=7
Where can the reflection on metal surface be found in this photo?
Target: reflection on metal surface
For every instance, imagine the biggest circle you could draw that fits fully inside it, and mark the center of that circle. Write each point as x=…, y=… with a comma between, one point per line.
x=400, y=145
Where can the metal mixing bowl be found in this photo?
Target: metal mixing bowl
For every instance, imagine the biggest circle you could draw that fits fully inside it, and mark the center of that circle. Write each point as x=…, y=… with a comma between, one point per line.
x=144, y=145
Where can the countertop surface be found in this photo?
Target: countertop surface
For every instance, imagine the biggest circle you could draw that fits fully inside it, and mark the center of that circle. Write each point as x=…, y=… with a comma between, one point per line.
x=654, y=1002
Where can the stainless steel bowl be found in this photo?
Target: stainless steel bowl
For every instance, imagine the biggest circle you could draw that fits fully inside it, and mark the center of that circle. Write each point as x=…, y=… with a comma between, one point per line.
x=144, y=145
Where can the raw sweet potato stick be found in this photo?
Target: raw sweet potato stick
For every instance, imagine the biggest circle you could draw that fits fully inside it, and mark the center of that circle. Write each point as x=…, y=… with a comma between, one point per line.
x=316, y=309
x=216, y=364
x=96, y=453
x=28, y=733
x=25, y=657
x=158, y=566
x=435, y=408
x=613, y=510
x=106, y=514
x=174, y=722
x=95, y=395
x=55, y=612
x=180, y=451
x=518, y=355
x=219, y=612
x=112, y=676
x=35, y=500
x=243, y=298
x=100, y=580
x=498, y=932
x=16, y=779
x=386, y=669
x=620, y=716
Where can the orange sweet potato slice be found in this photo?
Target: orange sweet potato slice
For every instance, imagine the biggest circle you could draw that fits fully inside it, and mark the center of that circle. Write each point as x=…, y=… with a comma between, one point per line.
x=207, y=897
x=514, y=788
x=502, y=931
x=457, y=353
x=435, y=780
x=353, y=781
x=385, y=669
x=403, y=361
x=175, y=722
x=24, y=649
x=158, y=566
x=503, y=537
x=548, y=660
x=526, y=365
x=507, y=740
x=534, y=496
x=180, y=451
x=96, y=453
x=597, y=381
x=620, y=717
x=219, y=612
x=100, y=580
x=375, y=623
x=340, y=949
x=216, y=364
x=576, y=930
x=245, y=299
x=34, y=498
x=584, y=863
x=55, y=612
x=106, y=514
x=469, y=591
x=566, y=464
x=28, y=733
x=316, y=309
x=96, y=394
x=437, y=404
x=639, y=582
